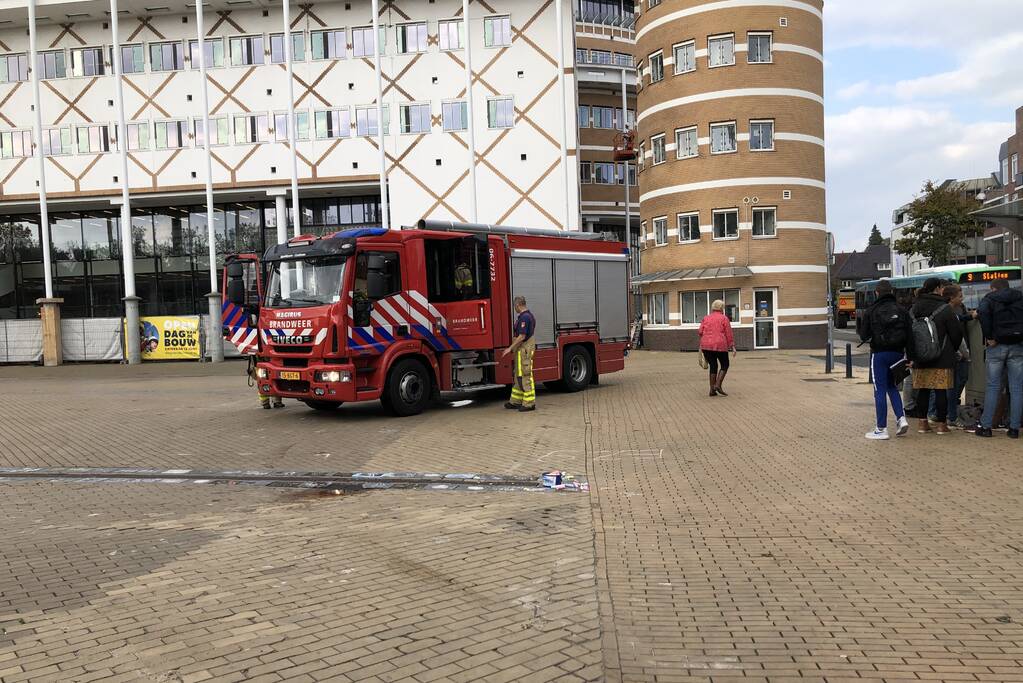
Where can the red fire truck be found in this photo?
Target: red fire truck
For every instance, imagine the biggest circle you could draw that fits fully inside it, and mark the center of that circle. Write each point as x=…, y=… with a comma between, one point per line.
x=403, y=315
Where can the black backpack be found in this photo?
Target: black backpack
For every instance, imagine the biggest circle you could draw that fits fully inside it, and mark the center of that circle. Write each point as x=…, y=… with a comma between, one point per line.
x=927, y=341
x=890, y=327
x=1007, y=321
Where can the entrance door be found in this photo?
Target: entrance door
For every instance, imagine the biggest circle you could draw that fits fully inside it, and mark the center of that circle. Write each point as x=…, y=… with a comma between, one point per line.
x=765, y=335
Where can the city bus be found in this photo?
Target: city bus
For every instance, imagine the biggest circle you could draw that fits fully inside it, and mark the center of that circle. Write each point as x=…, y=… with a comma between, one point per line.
x=975, y=279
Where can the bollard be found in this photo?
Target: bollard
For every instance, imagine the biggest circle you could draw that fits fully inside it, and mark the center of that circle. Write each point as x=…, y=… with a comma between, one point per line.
x=829, y=359
x=848, y=361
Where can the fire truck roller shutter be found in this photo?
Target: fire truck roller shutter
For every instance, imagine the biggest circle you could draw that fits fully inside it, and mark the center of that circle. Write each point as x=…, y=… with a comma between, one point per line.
x=576, y=303
x=613, y=300
x=533, y=278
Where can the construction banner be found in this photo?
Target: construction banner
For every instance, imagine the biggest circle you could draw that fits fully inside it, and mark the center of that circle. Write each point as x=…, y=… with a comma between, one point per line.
x=169, y=337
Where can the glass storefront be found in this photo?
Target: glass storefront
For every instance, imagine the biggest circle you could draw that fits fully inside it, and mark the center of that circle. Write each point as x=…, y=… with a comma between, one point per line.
x=171, y=251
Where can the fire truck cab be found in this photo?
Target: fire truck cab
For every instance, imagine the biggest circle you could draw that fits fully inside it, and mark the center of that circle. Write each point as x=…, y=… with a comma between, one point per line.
x=402, y=315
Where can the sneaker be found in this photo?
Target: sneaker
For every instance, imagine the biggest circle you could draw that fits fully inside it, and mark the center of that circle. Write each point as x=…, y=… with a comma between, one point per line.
x=1012, y=433
x=983, y=431
x=903, y=426
x=1001, y=428
x=878, y=434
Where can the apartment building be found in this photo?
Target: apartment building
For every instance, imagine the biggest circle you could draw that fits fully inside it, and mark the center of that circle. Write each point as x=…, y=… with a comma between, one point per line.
x=731, y=170
x=1003, y=208
x=522, y=168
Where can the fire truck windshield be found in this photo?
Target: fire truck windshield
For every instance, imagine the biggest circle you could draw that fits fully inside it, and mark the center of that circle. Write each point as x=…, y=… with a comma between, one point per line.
x=300, y=283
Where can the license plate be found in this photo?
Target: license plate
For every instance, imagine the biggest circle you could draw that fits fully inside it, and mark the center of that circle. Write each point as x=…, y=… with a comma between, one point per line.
x=291, y=375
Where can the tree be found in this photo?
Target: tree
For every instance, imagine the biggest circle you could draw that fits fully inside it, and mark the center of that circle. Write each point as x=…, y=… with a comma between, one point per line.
x=940, y=223
x=875, y=237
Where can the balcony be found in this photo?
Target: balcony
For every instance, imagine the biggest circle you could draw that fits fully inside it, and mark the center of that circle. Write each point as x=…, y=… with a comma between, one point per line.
x=595, y=19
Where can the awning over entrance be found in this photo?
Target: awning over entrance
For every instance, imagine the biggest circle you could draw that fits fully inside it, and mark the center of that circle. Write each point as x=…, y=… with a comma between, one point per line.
x=1008, y=215
x=692, y=274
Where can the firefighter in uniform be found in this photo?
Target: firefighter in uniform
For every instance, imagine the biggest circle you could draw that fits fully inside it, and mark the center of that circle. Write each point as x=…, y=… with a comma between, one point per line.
x=523, y=395
x=264, y=399
x=463, y=279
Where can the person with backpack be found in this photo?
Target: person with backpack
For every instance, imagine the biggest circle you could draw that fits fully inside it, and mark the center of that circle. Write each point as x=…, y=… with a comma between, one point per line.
x=1001, y=319
x=936, y=335
x=886, y=326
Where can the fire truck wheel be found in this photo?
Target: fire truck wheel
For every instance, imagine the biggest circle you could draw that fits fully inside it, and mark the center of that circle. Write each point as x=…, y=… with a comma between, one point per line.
x=327, y=406
x=578, y=369
x=408, y=389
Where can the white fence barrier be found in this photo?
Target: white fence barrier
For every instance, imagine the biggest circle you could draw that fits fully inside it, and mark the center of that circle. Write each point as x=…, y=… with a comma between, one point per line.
x=92, y=339
x=21, y=341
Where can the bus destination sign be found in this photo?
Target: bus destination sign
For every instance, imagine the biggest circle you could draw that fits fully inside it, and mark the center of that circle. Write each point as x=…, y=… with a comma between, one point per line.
x=989, y=275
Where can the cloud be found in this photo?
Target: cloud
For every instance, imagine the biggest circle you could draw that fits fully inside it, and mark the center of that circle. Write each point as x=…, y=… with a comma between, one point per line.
x=991, y=72
x=854, y=91
x=879, y=157
x=948, y=24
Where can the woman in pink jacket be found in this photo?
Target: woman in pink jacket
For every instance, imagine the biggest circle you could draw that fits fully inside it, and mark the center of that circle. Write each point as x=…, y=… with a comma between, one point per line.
x=715, y=342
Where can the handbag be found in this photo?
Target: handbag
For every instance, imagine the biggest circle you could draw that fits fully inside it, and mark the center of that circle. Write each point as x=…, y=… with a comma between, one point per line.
x=702, y=360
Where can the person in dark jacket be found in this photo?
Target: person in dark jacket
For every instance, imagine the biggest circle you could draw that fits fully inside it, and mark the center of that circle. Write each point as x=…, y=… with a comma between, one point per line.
x=937, y=373
x=1001, y=319
x=886, y=326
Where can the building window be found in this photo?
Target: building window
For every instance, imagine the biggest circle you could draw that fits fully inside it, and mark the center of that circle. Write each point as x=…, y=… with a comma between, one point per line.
x=652, y=3
x=455, y=115
x=213, y=52
x=414, y=118
x=603, y=173
x=758, y=48
x=765, y=222
x=93, y=139
x=166, y=57
x=281, y=126
x=761, y=136
x=1005, y=171
x=246, y=50
x=687, y=143
x=366, y=121
x=603, y=117
x=138, y=136
x=630, y=119
x=1014, y=163
x=497, y=31
x=501, y=112
x=332, y=124
x=87, y=61
x=13, y=68
x=722, y=138
x=689, y=227
x=881, y=267
x=584, y=116
x=170, y=134
x=585, y=170
x=641, y=157
x=51, y=64
x=329, y=44
x=133, y=59
x=696, y=305
x=57, y=141
x=411, y=38
x=657, y=309
x=632, y=174
x=622, y=59
x=582, y=56
x=656, y=66
x=450, y=31
x=657, y=147
x=685, y=57
x=721, y=50
x=249, y=128
x=15, y=143
x=661, y=231
x=362, y=41
x=726, y=224
x=277, y=55
x=600, y=57
x=221, y=131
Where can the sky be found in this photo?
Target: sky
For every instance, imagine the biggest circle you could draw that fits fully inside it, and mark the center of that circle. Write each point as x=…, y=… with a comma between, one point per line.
x=915, y=90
